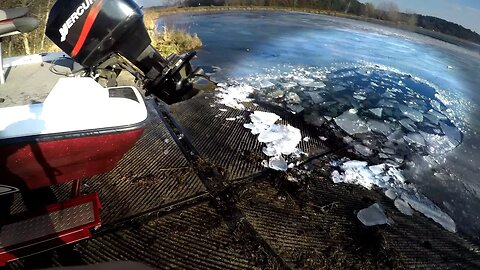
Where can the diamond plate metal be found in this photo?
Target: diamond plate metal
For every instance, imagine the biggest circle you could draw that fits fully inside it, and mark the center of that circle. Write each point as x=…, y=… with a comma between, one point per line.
x=48, y=224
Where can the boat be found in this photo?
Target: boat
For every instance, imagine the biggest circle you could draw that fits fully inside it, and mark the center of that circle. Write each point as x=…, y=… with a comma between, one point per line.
x=82, y=128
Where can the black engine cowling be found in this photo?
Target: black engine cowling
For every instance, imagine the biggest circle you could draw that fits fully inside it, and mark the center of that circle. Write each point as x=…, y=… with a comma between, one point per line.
x=93, y=31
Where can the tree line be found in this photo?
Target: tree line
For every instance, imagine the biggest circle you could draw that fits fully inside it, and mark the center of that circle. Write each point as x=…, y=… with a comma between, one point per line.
x=385, y=11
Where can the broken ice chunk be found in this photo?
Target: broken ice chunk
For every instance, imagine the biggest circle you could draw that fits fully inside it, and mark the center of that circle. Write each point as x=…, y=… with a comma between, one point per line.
x=438, y=145
x=415, y=138
x=316, y=98
x=288, y=85
x=266, y=84
x=276, y=94
x=302, y=79
x=408, y=124
x=312, y=84
x=295, y=108
x=387, y=150
x=390, y=193
x=379, y=127
x=378, y=169
x=293, y=97
x=269, y=151
x=452, y=133
x=377, y=111
x=351, y=123
x=363, y=150
x=385, y=104
x=336, y=177
x=276, y=132
x=396, y=136
x=411, y=113
x=314, y=118
x=432, y=118
x=396, y=175
x=231, y=119
x=278, y=163
x=382, y=155
x=436, y=105
x=261, y=121
x=423, y=205
x=359, y=97
x=403, y=207
x=232, y=96
x=373, y=215
x=440, y=116
x=338, y=88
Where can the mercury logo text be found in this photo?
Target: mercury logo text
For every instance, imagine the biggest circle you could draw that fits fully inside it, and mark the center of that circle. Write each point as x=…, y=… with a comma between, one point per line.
x=74, y=17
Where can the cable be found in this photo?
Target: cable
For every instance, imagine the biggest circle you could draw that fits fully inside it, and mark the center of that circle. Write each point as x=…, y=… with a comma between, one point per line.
x=66, y=74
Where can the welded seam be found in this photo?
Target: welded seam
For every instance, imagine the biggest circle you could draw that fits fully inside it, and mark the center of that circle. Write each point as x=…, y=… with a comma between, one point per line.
x=157, y=212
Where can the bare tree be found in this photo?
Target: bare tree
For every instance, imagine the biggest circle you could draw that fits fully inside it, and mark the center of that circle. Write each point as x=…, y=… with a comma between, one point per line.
x=369, y=10
x=389, y=11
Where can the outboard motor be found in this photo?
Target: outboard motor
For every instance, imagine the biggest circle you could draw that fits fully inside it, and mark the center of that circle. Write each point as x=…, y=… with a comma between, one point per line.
x=106, y=34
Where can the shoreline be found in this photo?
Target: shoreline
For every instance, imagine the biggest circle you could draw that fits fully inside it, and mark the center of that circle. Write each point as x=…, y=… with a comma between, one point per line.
x=159, y=11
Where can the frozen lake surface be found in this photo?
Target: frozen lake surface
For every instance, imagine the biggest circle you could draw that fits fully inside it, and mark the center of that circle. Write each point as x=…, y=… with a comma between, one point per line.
x=392, y=96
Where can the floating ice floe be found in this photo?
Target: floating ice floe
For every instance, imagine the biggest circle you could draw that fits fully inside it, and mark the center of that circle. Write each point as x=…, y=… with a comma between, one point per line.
x=280, y=140
x=373, y=215
x=452, y=133
x=233, y=96
x=415, y=138
x=379, y=127
x=315, y=96
x=411, y=113
x=314, y=118
x=377, y=111
x=351, y=123
x=390, y=179
x=363, y=150
x=408, y=124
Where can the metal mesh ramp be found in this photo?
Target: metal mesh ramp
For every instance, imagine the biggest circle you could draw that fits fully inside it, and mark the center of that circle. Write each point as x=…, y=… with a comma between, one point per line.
x=229, y=144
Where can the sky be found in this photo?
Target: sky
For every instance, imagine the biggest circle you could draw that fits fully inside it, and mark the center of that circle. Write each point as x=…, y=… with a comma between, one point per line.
x=463, y=12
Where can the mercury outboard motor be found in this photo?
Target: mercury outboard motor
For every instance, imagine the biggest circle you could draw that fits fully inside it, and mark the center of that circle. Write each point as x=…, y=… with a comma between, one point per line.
x=101, y=34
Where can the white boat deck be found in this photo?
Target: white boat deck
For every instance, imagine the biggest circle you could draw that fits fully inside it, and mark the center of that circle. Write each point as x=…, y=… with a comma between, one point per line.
x=29, y=79
x=30, y=83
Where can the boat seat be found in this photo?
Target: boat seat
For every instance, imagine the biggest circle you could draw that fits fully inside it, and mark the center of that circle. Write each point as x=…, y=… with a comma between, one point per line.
x=13, y=13
x=13, y=22
x=17, y=26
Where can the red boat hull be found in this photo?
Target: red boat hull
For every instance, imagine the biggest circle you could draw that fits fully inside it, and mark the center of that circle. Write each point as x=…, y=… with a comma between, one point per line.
x=55, y=159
